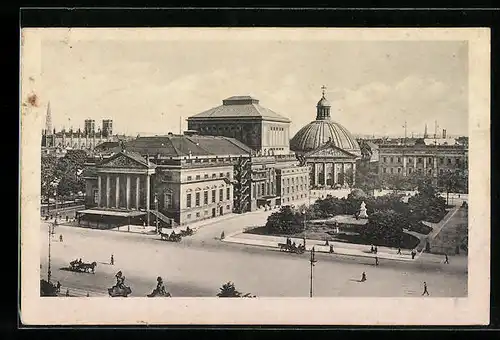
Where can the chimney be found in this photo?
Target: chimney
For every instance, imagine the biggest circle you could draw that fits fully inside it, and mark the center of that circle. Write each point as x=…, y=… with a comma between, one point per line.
x=444, y=133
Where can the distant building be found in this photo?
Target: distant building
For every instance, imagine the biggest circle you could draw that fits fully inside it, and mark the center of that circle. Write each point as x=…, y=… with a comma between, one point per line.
x=107, y=127
x=89, y=128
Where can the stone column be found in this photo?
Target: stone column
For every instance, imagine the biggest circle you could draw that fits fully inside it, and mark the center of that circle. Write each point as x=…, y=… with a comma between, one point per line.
x=343, y=174
x=316, y=174
x=108, y=190
x=148, y=194
x=425, y=163
x=117, y=188
x=415, y=162
x=99, y=188
x=404, y=165
x=335, y=179
x=128, y=191
x=324, y=174
x=353, y=174
x=137, y=192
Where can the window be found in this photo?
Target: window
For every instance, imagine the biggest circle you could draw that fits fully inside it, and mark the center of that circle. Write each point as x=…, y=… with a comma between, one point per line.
x=188, y=200
x=430, y=160
x=188, y=216
x=449, y=160
x=221, y=175
x=419, y=160
x=293, y=180
x=392, y=159
x=197, y=199
x=441, y=160
x=399, y=170
x=214, y=175
x=287, y=190
x=228, y=175
x=221, y=195
x=399, y=159
x=392, y=170
x=409, y=171
x=213, y=196
x=190, y=178
x=288, y=181
x=262, y=189
x=96, y=196
x=198, y=177
x=168, y=200
x=228, y=193
x=228, y=207
x=205, y=197
x=384, y=170
x=457, y=161
x=205, y=176
x=409, y=160
x=385, y=159
x=197, y=214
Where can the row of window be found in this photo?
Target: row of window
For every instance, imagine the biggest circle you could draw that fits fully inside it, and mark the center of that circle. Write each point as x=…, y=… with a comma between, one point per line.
x=275, y=128
x=410, y=170
x=295, y=197
x=263, y=189
x=198, y=214
x=207, y=176
x=300, y=179
x=286, y=190
x=205, y=197
x=420, y=160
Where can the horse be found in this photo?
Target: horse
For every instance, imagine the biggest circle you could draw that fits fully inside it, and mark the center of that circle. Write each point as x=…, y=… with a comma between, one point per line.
x=118, y=291
x=86, y=267
x=283, y=246
x=164, y=236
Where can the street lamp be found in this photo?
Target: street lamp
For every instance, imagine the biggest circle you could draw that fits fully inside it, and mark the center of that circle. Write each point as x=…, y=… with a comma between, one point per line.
x=312, y=261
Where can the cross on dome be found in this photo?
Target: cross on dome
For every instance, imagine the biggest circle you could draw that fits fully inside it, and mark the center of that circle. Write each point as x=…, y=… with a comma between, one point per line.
x=323, y=88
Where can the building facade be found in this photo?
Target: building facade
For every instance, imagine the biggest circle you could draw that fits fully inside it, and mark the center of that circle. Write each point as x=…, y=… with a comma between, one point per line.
x=293, y=184
x=424, y=159
x=243, y=118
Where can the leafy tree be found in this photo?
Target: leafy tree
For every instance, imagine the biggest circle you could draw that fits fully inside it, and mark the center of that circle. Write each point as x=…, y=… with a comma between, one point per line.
x=453, y=181
x=70, y=169
x=384, y=227
x=285, y=221
x=228, y=290
x=366, y=178
x=349, y=177
x=48, y=175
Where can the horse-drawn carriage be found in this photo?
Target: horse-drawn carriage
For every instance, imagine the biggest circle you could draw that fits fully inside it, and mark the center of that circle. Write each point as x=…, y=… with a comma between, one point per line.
x=171, y=238
x=292, y=248
x=187, y=232
x=79, y=266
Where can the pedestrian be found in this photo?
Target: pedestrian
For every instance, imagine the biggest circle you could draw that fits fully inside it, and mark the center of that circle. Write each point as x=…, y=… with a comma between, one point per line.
x=143, y=225
x=67, y=292
x=112, y=260
x=88, y=294
x=446, y=259
x=376, y=249
x=376, y=260
x=399, y=251
x=60, y=238
x=222, y=235
x=426, y=292
x=331, y=249
x=372, y=249
x=413, y=253
x=363, y=277
x=326, y=243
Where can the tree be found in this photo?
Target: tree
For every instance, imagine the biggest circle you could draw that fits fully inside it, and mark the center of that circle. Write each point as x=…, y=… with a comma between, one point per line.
x=70, y=169
x=453, y=181
x=228, y=290
x=48, y=175
x=349, y=177
x=285, y=221
x=366, y=178
x=385, y=227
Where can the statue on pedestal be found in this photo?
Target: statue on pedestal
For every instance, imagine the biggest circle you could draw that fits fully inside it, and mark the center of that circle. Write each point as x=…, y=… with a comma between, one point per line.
x=362, y=210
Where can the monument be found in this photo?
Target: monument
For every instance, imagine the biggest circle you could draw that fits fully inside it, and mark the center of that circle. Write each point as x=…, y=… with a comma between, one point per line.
x=362, y=210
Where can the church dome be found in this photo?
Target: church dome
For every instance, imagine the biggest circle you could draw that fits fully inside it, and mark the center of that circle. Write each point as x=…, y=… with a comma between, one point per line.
x=323, y=130
x=320, y=132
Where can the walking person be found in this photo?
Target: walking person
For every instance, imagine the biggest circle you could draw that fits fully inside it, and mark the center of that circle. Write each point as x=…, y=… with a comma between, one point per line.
x=426, y=292
x=112, y=261
x=363, y=277
x=60, y=238
x=331, y=249
x=376, y=260
x=446, y=259
x=222, y=235
x=399, y=251
x=67, y=292
x=413, y=253
x=376, y=249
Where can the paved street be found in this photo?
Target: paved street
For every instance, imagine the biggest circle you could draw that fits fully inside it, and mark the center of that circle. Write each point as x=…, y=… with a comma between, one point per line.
x=199, y=265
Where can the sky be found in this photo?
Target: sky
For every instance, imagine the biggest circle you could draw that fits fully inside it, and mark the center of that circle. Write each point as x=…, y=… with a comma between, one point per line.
x=149, y=87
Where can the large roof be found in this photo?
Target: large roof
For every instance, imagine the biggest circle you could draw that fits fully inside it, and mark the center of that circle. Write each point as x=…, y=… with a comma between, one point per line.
x=320, y=132
x=183, y=145
x=240, y=107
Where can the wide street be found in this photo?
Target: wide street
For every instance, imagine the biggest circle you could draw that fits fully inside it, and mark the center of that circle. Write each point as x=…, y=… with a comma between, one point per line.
x=200, y=264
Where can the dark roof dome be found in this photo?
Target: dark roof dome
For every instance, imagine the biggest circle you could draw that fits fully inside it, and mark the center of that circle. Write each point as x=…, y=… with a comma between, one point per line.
x=323, y=102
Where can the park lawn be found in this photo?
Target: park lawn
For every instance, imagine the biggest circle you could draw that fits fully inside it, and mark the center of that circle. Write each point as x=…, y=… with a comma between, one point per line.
x=453, y=234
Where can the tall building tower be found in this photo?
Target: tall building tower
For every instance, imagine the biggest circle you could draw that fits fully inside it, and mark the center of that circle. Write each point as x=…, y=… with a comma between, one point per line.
x=48, y=120
x=425, y=132
x=107, y=127
x=89, y=127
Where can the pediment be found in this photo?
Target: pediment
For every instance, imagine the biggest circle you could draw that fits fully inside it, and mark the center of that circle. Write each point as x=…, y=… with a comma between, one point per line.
x=122, y=161
x=330, y=151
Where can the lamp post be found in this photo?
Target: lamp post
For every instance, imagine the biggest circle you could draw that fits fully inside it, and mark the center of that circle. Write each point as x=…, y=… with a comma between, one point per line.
x=312, y=261
x=305, y=221
x=156, y=208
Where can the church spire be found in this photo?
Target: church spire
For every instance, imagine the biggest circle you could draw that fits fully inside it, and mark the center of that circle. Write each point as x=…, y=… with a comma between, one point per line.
x=323, y=107
x=425, y=132
x=48, y=120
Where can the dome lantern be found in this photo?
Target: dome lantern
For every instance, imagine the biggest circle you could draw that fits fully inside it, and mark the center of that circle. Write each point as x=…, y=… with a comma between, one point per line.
x=323, y=107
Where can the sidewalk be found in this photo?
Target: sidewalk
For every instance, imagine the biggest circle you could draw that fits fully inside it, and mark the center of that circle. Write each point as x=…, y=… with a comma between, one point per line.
x=319, y=246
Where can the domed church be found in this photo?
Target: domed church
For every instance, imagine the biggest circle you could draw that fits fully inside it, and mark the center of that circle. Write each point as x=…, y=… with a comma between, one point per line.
x=328, y=149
